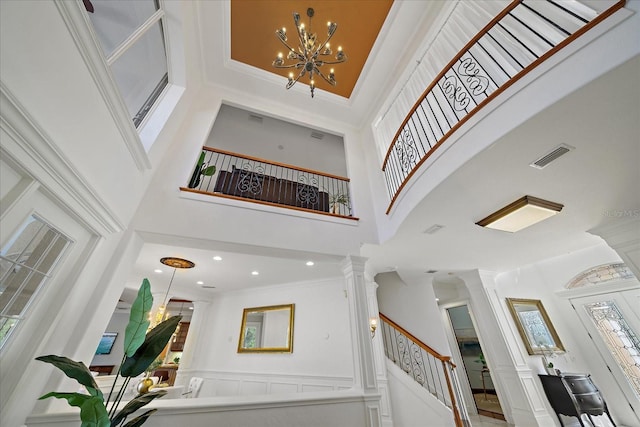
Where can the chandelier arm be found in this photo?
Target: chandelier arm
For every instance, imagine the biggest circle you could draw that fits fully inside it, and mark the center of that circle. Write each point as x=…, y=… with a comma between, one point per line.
x=294, y=81
x=288, y=47
x=325, y=43
x=298, y=65
x=334, y=62
x=332, y=83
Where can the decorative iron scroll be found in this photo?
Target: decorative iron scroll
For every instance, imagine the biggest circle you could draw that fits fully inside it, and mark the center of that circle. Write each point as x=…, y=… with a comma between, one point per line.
x=308, y=193
x=251, y=179
x=406, y=150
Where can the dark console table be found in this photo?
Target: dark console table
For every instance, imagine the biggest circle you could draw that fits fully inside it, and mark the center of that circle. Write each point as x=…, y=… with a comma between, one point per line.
x=574, y=395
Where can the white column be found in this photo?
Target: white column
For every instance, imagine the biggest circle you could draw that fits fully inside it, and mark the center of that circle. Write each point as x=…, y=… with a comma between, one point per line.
x=378, y=353
x=362, y=348
x=196, y=328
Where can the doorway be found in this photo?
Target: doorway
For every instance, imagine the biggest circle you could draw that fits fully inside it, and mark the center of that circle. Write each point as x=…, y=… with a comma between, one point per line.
x=475, y=365
x=612, y=321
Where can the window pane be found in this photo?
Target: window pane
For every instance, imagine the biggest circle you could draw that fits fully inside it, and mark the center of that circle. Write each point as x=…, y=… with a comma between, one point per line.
x=622, y=341
x=115, y=20
x=6, y=325
x=25, y=263
x=140, y=70
x=31, y=231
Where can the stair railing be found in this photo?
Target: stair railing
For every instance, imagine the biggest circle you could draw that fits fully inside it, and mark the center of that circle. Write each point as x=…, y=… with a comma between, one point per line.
x=433, y=371
x=521, y=37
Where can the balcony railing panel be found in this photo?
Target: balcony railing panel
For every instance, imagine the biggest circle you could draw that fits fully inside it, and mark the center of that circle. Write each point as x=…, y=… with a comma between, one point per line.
x=234, y=175
x=517, y=40
x=433, y=371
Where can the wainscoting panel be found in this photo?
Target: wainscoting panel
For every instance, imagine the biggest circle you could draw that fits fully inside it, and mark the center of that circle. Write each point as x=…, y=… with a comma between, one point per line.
x=250, y=383
x=254, y=387
x=283, y=388
x=306, y=388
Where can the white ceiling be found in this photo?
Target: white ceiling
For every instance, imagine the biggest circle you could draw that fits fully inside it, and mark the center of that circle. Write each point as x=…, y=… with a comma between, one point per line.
x=599, y=177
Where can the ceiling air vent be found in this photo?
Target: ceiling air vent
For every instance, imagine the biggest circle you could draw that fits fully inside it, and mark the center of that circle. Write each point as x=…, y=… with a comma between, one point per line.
x=433, y=229
x=317, y=135
x=255, y=118
x=431, y=271
x=552, y=155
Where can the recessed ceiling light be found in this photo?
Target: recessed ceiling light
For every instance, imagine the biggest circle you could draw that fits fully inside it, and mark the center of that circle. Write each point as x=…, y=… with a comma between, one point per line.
x=217, y=258
x=255, y=273
x=190, y=308
x=157, y=270
x=437, y=299
x=521, y=214
x=309, y=263
x=200, y=282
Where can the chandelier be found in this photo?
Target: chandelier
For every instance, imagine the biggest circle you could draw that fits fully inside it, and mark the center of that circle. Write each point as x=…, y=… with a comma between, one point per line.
x=307, y=58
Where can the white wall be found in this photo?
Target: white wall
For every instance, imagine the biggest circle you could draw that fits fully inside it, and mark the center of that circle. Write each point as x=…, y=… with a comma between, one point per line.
x=276, y=140
x=321, y=336
x=412, y=404
x=413, y=306
x=118, y=323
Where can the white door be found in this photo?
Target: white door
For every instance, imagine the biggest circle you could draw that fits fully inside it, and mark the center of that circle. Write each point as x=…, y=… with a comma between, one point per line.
x=612, y=321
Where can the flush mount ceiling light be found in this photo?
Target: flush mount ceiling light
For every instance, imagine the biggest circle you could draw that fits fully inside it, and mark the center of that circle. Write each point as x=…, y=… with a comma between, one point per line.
x=307, y=57
x=521, y=214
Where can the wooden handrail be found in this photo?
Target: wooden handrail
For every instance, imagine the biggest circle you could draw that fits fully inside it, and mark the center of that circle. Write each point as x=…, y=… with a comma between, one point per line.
x=413, y=338
x=271, y=162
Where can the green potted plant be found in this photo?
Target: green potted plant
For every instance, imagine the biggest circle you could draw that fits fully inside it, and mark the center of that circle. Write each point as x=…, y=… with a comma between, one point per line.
x=141, y=348
x=338, y=199
x=202, y=169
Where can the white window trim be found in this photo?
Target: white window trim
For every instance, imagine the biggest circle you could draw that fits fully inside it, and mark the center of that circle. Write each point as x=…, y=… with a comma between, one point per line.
x=138, y=141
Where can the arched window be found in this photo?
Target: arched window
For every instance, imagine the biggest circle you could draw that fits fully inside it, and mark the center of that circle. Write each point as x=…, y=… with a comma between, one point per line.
x=600, y=274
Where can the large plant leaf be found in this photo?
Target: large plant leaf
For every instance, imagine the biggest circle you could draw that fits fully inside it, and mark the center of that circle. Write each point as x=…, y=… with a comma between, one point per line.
x=136, y=404
x=94, y=414
x=138, y=319
x=138, y=421
x=92, y=410
x=208, y=171
x=74, y=399
x=154, y=343
x=76, y=370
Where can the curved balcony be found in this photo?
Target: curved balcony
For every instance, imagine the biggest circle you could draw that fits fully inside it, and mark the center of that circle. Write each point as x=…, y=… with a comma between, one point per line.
x=521, y=37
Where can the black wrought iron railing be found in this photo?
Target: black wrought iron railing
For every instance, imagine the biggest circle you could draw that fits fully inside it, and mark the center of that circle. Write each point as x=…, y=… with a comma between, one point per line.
x=433, y=371
x=520, y=38
x=238, y=176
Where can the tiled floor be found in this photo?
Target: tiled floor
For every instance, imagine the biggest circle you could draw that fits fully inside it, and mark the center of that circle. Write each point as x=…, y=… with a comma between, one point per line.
x=480, y=421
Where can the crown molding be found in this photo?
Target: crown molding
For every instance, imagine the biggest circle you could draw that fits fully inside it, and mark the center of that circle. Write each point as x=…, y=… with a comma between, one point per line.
x=34, y=150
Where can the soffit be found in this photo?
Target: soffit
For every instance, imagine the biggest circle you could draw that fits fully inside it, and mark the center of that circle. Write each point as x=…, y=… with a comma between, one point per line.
x=253, y=39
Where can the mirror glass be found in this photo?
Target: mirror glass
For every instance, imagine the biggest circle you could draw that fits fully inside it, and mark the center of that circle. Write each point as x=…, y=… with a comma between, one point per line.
x=267, y=329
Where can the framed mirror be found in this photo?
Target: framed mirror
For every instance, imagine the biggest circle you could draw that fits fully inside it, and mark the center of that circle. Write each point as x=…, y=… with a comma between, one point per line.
x=535, y=328
x=267, y=329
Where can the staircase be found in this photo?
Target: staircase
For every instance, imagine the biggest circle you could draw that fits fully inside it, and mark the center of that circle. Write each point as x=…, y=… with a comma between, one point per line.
x=432, y=371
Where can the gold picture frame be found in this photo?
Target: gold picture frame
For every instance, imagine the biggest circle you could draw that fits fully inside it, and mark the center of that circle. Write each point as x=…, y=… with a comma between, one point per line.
x=267, y=329
x=535, y=327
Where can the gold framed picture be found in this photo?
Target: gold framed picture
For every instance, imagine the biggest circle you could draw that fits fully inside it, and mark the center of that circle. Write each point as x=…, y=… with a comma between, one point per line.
x=535, y=328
